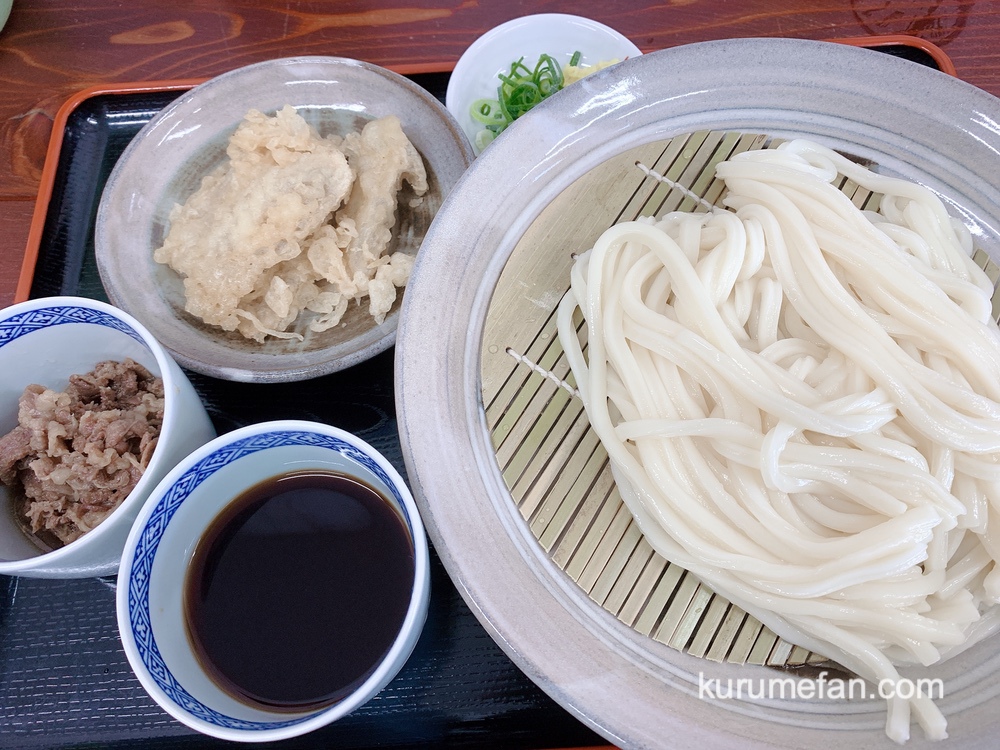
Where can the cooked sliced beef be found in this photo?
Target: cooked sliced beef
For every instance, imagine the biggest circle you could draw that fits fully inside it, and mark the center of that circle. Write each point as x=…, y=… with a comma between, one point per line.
x=77, y=454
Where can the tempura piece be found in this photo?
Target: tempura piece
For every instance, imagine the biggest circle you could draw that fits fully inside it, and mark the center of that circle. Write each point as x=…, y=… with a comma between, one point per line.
x=262, y=241
x=280, y=185
x=383, y=158
x=347, y=261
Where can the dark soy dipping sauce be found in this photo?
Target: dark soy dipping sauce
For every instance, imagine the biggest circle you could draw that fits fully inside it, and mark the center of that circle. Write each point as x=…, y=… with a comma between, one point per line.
x=298, y=589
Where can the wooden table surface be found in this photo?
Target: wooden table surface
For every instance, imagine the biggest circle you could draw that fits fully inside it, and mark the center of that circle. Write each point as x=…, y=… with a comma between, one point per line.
x=51, y=49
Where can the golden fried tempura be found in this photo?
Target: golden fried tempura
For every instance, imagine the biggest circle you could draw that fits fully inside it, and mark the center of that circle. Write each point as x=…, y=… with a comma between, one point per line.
x=262, y=240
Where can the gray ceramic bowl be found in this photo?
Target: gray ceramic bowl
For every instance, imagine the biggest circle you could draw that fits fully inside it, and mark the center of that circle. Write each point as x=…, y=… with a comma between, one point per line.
x=168, y=158
x=639, y=693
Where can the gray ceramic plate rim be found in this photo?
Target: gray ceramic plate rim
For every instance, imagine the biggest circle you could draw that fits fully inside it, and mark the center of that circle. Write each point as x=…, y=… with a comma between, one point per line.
x=209, y=356
x=911, y=120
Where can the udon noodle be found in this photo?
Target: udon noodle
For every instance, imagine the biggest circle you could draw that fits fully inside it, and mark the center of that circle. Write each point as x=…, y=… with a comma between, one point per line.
x=801, y=403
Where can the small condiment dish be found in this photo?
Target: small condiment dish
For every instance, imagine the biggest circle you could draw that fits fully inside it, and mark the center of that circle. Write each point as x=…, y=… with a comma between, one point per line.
x=159, y=569
x=43, y=342
x=555, y=34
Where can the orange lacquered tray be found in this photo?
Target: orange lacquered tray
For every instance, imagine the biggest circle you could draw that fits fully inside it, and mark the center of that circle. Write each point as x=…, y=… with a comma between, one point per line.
x=467, y=686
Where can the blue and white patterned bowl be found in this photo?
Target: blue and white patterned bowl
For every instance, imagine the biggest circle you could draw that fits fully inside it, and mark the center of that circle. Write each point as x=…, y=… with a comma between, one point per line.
x=159, y=549
x=44, y=341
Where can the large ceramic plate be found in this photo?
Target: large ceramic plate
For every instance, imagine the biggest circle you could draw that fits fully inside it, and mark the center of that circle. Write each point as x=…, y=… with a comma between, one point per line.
x=634, y=689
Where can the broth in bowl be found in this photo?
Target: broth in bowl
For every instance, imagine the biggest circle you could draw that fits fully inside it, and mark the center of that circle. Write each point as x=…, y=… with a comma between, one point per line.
x=293, y=569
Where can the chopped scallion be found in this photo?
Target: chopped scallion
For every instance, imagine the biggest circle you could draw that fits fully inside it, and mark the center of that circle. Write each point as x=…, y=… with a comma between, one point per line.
x=521, y=88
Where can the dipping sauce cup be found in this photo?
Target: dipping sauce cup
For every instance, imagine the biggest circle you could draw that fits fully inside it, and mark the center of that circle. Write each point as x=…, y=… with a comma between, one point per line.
x=276, y=579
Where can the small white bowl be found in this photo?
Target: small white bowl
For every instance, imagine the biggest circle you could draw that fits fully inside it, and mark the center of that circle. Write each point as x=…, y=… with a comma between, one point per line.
x=168, y=158
x=151, y=580
x=5, y=6
x=44, y=341
x=555, y=34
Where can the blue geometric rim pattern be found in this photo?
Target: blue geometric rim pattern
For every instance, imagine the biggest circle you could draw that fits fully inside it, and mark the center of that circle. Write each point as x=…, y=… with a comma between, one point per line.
x=152, y=533
x=46, y=317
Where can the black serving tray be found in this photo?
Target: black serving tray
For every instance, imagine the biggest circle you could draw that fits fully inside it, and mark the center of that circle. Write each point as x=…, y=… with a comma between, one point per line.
x=64, y=678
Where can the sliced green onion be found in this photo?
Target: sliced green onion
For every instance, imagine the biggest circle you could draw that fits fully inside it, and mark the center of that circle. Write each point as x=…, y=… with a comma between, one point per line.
x=548, y=69
x=521, y=88
x=483, y=139
x=502, y=101
x=488, y=112
x=522, y=97
x=575, y=59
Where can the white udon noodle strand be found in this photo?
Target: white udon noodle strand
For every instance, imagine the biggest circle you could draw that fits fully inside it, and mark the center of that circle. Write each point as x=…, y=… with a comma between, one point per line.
x=801, y=403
